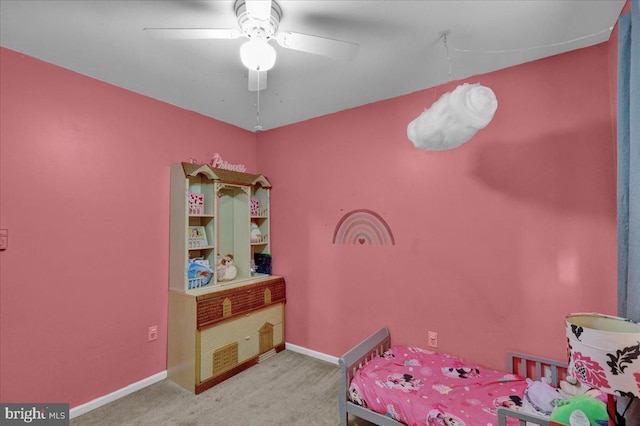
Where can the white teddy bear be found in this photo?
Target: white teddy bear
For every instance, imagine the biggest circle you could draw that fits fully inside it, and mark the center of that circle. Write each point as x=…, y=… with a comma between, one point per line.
x=225, y=268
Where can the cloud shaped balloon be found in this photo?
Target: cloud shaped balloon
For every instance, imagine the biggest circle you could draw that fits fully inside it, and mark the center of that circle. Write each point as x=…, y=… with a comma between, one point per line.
x=454, y=118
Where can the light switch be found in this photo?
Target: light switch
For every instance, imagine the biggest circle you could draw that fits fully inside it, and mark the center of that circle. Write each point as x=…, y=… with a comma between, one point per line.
x=153, y=333
x=4, y=239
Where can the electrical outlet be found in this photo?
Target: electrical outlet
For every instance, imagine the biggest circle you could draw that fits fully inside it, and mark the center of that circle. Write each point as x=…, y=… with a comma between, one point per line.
x=433, y=339
x=153, y=333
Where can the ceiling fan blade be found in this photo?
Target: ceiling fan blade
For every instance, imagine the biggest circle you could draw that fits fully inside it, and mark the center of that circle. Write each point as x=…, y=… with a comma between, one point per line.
x=259, y=9
x=317, y=45
x=193, y=33
x=257, y=80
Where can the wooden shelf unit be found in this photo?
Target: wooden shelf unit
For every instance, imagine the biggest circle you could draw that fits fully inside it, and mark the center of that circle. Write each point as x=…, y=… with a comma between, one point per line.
x=222, y=327
x=226, y=220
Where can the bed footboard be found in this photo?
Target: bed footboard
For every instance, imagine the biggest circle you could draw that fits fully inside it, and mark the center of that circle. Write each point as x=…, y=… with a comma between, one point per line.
x=534, y=368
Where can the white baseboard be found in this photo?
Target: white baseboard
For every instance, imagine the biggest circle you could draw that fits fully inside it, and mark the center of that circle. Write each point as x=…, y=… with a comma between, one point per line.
x=120, y=393
x=310, y=352
x=103, y=400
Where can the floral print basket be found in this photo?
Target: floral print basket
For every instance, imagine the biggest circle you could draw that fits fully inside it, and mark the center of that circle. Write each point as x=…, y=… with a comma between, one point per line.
x=604, y=353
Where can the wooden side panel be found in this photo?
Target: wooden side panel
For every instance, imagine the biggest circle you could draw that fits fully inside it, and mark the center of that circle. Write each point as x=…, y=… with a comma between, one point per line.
x=182, y=340
x=177, y=229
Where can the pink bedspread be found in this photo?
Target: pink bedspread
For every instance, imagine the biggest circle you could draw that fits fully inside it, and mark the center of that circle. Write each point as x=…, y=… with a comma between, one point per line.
x=419, y=387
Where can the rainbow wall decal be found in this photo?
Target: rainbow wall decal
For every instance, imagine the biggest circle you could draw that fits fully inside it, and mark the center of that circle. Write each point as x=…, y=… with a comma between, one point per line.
x=363, y=227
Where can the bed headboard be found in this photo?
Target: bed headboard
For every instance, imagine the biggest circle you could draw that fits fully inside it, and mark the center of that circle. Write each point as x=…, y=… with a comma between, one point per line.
x=368, y=349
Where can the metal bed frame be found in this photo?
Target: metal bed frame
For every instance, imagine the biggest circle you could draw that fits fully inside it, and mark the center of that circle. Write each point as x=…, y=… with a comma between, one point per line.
x=526, y=365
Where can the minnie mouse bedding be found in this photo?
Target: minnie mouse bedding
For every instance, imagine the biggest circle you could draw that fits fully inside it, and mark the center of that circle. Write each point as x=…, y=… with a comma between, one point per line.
x=419, y=387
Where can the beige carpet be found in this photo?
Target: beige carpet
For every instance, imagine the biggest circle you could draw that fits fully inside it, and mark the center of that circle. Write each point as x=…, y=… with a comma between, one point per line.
x=287, y=389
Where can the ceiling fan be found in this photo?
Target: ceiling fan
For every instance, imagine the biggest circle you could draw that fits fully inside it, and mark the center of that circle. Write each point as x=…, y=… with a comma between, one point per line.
x=258, y=20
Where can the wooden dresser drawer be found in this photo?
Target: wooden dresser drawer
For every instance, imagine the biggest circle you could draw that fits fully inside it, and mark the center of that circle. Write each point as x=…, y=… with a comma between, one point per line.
x=226, y=304
x=242, y=336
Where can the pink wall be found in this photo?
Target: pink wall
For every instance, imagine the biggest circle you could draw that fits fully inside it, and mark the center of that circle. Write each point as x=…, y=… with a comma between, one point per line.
x=495, y=241
x=84, y=192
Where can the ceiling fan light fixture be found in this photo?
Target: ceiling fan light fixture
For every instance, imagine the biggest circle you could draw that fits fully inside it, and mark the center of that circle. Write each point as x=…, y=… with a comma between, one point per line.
x=258, y=55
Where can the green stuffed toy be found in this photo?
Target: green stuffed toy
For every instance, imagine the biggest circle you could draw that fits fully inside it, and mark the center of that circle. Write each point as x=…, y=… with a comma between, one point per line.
x=593, y=408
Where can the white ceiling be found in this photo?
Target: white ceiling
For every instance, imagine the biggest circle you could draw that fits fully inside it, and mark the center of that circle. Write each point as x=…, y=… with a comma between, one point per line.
x=401, y=48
